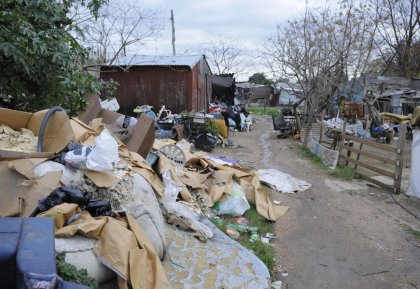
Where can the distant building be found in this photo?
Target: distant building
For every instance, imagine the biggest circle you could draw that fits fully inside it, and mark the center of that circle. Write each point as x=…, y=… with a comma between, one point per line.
x=399, y=95
x=223, y=88
x=178, y=82
x=288, y=93
x=254, y=94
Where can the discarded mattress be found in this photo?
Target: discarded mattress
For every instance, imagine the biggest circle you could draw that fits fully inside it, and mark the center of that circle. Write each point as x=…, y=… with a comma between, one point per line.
x=282, y=182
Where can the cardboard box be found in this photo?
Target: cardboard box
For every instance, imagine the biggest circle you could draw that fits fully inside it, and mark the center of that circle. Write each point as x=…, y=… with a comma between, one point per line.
x=143, y=135
x=58, y=132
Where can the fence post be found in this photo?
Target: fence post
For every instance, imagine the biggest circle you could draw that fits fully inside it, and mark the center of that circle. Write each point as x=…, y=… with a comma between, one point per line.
x=400, y=157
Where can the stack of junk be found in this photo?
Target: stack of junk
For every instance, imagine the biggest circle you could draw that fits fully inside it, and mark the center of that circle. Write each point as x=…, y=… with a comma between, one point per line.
x=82, y=186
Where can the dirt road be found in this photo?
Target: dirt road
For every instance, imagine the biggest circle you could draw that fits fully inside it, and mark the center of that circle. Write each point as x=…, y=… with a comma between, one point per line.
x=337, y=234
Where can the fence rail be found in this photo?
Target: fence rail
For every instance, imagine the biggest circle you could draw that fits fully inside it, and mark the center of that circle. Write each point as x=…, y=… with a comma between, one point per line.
x=347, y=147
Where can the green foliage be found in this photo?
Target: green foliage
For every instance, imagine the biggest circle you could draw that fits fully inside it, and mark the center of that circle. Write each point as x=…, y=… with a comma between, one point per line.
x=263, y=111
x=265, y=252
x=343, y=172
x=40, y=60
x=211, y=127
x=69, y=272
x=415, y=233
x=260, y=78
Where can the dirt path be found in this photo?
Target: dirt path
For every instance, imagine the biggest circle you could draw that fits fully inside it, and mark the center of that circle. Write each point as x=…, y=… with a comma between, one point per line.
x=337, y=234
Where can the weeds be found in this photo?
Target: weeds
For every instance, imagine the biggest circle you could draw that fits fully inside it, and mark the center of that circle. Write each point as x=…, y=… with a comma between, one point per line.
x=263, y=251
x=342, y=172
x=69, y=272
x=263, y=111
x=415, y=233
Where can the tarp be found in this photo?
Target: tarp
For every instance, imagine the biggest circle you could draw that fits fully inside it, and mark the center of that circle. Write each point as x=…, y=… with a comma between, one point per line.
x=282, y=182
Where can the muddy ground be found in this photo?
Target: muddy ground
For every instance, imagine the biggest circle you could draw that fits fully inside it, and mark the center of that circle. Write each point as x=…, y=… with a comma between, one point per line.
x=338, y=234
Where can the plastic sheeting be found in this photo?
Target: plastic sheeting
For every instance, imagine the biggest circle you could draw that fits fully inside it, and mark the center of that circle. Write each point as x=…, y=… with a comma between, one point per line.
x=282, y=182
x=414, y=186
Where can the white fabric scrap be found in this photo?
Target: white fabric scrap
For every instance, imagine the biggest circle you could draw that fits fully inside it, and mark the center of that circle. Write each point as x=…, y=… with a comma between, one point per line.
x=282, y=182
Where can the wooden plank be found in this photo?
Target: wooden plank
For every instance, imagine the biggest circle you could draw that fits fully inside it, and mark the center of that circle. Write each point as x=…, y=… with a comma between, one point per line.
x=370, y=155
x=358, y=155
x=371, y=143
x=370, y=167
x=400, y=157
x=376, y=182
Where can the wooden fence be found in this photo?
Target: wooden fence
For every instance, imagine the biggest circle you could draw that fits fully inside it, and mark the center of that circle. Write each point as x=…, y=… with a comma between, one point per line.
x=348, y=146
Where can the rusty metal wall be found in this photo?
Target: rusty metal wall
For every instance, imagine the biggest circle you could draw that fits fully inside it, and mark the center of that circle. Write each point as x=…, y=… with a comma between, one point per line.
x=178, y=88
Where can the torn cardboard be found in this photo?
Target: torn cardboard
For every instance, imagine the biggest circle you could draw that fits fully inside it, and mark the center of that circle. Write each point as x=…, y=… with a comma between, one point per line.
x=143, y=133
x=58, y=132
x=122, y=246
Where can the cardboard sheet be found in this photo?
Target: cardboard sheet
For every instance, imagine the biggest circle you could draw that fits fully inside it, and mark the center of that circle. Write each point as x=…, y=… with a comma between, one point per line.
x=122, y=246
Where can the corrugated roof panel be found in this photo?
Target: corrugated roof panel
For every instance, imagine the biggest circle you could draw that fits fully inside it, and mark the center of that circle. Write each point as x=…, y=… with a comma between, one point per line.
x=149, y=60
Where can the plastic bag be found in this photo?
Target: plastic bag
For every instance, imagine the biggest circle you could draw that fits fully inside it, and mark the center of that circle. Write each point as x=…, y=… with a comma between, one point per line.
x=104, y=155
x=234, y=204
x=70, y=177
x=40, y=281
x=77, y=158
x=205, y=142
x=123, y=126
x=62, y=195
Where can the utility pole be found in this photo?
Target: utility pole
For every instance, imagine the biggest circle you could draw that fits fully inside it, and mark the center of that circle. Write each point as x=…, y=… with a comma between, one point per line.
x=173, y=32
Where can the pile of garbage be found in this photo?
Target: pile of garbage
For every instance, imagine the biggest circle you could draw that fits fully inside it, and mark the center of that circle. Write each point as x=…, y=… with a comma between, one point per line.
x=97, y=185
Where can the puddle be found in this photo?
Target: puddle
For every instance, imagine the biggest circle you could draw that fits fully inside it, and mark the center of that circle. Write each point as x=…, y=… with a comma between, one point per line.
x=263, y=141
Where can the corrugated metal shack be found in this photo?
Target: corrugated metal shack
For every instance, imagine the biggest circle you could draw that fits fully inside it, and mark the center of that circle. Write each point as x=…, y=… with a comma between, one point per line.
x=178, y=82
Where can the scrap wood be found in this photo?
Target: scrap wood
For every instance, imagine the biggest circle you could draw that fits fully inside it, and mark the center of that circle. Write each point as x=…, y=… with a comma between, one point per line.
x=122, y=246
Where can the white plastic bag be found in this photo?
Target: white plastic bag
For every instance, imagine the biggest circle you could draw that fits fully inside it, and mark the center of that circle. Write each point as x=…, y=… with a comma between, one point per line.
x=70, y=177
x=77, y=158
x=234, y=204
x=105, y=153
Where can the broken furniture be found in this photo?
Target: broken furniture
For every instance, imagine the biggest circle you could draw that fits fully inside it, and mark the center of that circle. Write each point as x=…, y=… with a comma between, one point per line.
x=280, y=124
x=27, y=252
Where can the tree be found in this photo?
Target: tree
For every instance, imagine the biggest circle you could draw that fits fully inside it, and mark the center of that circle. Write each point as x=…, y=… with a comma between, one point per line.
x=120, y=25
x=398, y=40
x=39, y=58
x=260, y=78
x=320, y=51
x=224, y=56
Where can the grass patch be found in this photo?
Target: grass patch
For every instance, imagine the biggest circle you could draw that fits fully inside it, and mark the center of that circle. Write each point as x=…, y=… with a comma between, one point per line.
x=262, y=111
x=414, y=233
x=265, y=252
x=342, y=172
x=70, y=273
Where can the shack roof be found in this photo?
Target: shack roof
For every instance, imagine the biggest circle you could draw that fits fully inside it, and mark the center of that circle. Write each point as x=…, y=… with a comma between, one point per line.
x=156, y=60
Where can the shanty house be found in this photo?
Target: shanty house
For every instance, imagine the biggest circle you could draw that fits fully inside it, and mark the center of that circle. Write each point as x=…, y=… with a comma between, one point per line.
x=178, y=82
x=223, y=86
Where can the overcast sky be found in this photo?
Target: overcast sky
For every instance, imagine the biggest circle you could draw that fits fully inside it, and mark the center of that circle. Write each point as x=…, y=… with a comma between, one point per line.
x=247, y=22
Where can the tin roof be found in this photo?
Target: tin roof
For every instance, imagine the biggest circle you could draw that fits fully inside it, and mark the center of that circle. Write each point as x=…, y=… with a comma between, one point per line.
x=149, y=60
